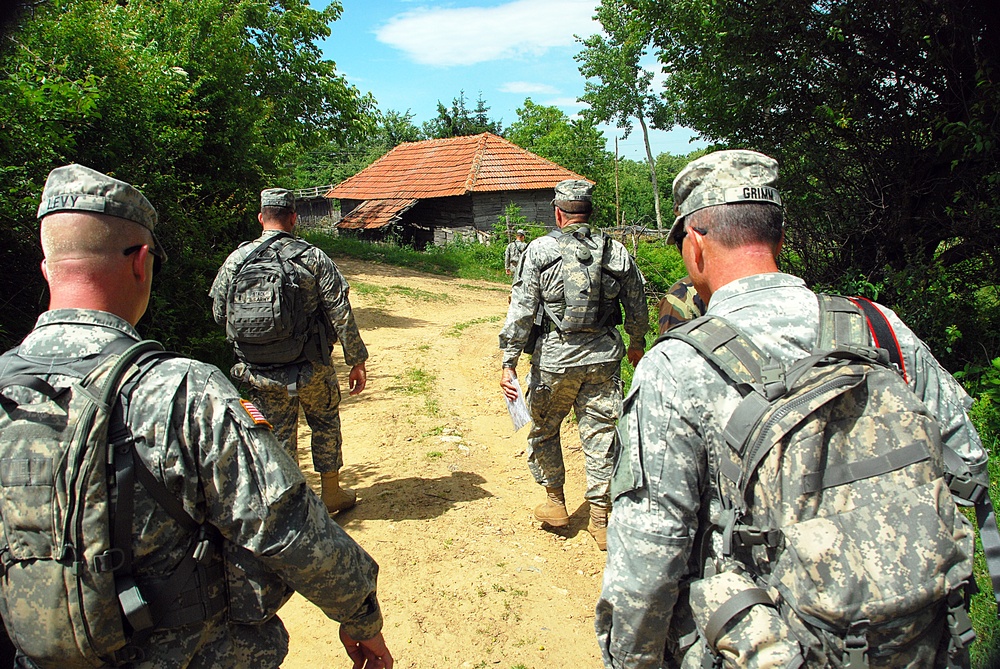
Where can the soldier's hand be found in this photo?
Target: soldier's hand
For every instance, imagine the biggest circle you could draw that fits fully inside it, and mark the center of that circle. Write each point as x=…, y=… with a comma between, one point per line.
x=507, y=383
x=357, y=379
x=634, y=355
x=368, y=654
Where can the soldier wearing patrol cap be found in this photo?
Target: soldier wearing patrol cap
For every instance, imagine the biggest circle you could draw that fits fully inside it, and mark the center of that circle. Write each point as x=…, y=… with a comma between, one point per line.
x=512, y=254
x=570, y=289
x=197, y=441
x=279, y=385
x=729, y=229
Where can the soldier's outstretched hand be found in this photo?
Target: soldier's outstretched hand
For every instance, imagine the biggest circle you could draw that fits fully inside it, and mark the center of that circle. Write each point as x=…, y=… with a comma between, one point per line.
x=369, y=654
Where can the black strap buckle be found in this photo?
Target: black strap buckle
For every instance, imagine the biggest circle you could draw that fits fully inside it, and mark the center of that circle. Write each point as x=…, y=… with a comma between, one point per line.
x=109, y=560
x=750, y=535
x=962, y=485
x=959, y=623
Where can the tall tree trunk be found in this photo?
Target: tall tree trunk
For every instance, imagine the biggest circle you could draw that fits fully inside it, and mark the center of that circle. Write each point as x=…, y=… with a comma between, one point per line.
x=652, y=169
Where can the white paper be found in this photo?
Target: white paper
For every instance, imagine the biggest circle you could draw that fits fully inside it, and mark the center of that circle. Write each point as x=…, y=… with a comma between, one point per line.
x=517, y=408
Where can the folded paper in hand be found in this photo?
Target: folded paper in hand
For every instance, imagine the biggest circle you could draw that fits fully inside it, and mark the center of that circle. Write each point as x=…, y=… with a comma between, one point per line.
x=517, y=408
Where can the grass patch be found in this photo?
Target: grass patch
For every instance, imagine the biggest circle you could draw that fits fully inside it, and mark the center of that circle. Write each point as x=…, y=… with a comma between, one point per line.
x=434, y=455
x=464, y=260
x=381, y=294
x=458, y=328
x=416, y=381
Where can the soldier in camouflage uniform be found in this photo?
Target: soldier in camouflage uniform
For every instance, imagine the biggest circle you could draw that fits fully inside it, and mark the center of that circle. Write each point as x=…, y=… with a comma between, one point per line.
x=512, y=254
x=680, y=305
x=572, y=370
x=311, y=382
x=729, y=230
x=218, y=455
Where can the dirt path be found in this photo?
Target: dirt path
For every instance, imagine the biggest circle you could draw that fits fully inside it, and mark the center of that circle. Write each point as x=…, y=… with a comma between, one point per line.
x=468, y=578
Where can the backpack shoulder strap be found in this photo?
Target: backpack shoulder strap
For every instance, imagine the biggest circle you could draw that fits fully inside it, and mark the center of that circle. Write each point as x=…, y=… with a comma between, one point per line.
x=145, y=609
x=882, y=333
x=257, y=252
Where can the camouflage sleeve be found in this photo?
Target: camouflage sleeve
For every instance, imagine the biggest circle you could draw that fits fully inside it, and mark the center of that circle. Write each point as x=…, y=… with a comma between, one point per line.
x=633, y=298
x=220, y=292
x=656, y=494
x=335, y=301
x=680, y=305
x=944, y=397
x=506, y=256
x=525, y=296
x=258, y=499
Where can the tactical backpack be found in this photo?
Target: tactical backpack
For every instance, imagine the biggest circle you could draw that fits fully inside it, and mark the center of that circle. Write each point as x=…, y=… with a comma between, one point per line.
x=68, y=473
x=835, y=505
x=591, y=301
x=265, y=318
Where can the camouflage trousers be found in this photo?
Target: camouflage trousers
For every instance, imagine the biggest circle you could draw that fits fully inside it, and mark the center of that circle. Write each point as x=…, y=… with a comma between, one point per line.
x=594, y=391
x=318, y=392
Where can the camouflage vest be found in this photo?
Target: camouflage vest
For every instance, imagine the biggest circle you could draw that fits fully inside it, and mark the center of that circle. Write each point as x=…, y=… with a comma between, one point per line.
x=265, y=318
x=68, y=594
x=851, y=550
x=590, y=301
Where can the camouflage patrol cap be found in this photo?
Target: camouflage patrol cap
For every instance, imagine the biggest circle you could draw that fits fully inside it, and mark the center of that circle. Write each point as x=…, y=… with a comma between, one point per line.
x=520, y=232
x=78, y=188
x=277, y=197
x=574, y=190
x=724, y=177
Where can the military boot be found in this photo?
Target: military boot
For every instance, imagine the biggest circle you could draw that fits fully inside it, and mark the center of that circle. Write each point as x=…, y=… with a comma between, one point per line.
x=335, y=497
x=553, y=510
x=598, y=526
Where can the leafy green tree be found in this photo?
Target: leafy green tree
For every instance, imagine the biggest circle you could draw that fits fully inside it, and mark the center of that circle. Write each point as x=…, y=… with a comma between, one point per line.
x=459, y=120
x=574, y=144
x=198, y=103
x=333, y=162
x=884, y=117
x=619, y=89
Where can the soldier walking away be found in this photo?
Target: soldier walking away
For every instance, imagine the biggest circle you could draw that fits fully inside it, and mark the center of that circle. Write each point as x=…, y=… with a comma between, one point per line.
x=512, y=254
x=149, y=516
x=782, y=493
x=284, y=303
x=680, y=305
x=567, y=300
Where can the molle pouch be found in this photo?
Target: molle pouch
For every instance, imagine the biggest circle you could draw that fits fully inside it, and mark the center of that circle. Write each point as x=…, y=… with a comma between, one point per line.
x=738, y=625
x=255, y=592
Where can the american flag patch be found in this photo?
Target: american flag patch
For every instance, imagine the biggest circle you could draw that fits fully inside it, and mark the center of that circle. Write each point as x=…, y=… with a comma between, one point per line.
x=255, y=415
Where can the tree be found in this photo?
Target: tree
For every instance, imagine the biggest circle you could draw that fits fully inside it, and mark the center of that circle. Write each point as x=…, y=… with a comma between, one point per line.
x=334, y=162
x=198, y=103
x=623, y=89
x=574, y=144
x=885, y=117
x=459, y=121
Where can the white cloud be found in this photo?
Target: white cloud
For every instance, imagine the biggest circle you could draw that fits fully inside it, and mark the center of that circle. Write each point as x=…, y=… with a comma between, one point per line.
x=565, y=102
x=469, y=35
x=527, y=87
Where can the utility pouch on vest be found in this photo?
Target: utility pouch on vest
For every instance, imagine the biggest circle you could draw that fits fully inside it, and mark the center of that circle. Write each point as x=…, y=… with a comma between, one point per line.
x=738, y=626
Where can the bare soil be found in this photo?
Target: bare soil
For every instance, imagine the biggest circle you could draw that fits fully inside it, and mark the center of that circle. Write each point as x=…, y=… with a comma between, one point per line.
x=468, y=577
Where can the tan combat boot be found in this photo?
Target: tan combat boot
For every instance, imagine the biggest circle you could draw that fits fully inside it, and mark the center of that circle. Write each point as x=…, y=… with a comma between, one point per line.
x=598, y=526
x=553, y=510
x=335, y=497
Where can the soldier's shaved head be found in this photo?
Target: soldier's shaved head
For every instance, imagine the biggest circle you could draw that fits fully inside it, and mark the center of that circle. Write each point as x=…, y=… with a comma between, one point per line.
x=84, y=241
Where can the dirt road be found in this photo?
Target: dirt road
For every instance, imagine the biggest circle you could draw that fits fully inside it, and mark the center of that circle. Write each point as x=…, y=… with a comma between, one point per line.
x=468, y=578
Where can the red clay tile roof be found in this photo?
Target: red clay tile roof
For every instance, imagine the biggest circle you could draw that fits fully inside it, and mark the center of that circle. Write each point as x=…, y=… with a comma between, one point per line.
x=376, y=213
x=455, y=166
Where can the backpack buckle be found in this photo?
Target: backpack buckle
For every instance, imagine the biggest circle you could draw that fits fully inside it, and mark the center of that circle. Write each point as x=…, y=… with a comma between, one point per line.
x=750, y=535
x=856, y=646
x=109, y=560
x=959, y=623
x=772, y=376
x=962, y=485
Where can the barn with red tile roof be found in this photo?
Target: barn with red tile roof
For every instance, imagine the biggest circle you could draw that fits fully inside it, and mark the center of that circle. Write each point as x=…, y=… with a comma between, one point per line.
x=441, y=189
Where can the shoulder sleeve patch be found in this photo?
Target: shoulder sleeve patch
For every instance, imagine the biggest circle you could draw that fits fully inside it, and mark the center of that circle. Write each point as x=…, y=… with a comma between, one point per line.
x=255, y=415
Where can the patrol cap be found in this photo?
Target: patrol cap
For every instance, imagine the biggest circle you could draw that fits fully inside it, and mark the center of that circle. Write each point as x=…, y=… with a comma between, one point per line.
x=573, y=191
x=78, y=188
x=724, y=177
x=519, y=232
x=277, y=197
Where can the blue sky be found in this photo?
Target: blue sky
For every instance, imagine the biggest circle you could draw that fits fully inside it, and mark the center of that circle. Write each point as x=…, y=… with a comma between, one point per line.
x=411, y=53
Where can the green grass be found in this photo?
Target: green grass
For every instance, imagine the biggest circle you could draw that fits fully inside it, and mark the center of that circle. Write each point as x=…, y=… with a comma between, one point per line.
x=464, y=260
x=458, y=328
x=383, y=294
